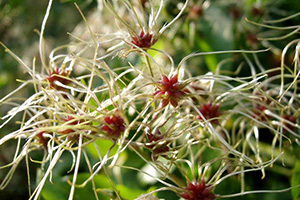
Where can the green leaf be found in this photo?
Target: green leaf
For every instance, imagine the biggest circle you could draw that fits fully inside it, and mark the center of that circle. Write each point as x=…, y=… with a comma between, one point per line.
x=104, y=146
x=4, y=78
x=296, y=181
x=129, y=193
x=210, y=60
x=57, y=190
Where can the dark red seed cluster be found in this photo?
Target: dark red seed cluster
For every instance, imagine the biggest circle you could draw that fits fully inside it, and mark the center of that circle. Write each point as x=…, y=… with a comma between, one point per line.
x=153, y=145
x=144, y=40
x=58, y=75
x=210, y=111
x=198, y=191
x=42, y=139
x=70, y=121
x=170, y=91
x=114, y=126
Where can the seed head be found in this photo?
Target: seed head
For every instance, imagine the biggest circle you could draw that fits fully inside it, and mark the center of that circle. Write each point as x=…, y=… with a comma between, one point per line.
x=42, y=139
x=251, y=40
x=259, y=111
x=70, y=121
x=198, y=191
x=145, y=40
x=58, y=75
x=114, y=126
x=235, y=12
x=210, y=111
x=170, y=91
x=153, y=145
x=257, y=11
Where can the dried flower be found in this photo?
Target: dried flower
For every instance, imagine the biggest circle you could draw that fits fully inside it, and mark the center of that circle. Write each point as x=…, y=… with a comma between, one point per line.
x=58, y=75
x=154, y=145
x=170, y=91
x=114, y=126
x=145, y=40
x=210, y=111
x=42, y=139
x=72, y=121
x=198, y=191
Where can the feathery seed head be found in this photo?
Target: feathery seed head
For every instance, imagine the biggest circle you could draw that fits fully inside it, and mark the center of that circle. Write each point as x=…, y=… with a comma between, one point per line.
x=170, y=91
x=210, y=112
x=198, y=191
x=42, y=139
x=58, y=75
x=114, y=126
x=153, y=143
x=144, y=40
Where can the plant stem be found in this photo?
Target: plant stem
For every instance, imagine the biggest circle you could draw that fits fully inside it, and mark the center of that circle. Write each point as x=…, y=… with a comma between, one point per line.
x=148, y=65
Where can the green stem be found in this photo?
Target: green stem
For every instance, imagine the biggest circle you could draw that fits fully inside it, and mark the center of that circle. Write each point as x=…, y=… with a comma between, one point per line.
x=149, y=65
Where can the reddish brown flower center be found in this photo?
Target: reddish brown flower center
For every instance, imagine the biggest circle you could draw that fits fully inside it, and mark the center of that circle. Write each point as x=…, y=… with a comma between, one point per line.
x=169, y=91
x=144, y=40
x=42, y=139
x=198, y=191
x=114, y=126
x=58, y=75
x=70, y=121
x=153, y=145
x=210, y=111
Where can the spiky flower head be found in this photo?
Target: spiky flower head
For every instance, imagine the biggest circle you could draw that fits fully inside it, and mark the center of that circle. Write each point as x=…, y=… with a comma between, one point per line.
x=69, y=120
x=42, y=139
x=140, y=28
x=198, y=191
x=170, y=91
x=144, y=40
x=210, y=112
x=114, y=126
x=157, y=143
x=58, y=75
x=260, y=108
